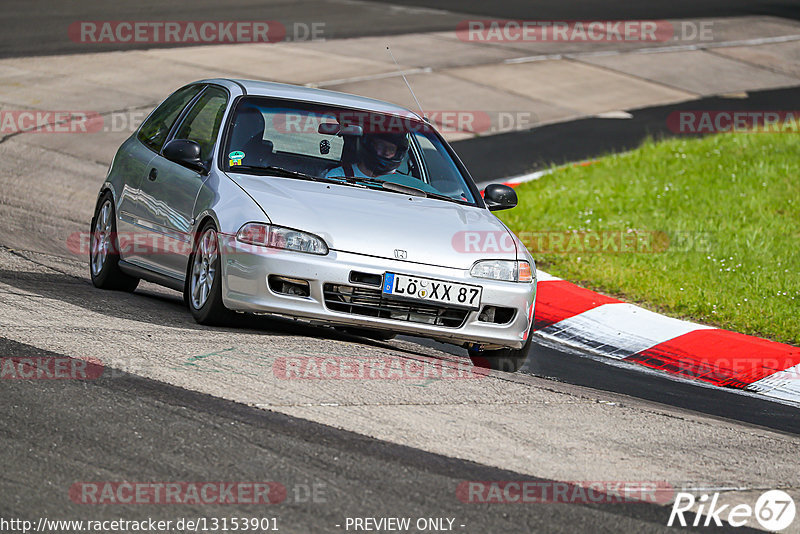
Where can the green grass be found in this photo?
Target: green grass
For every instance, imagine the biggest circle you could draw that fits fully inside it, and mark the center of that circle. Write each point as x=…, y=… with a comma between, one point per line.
x=730, y=205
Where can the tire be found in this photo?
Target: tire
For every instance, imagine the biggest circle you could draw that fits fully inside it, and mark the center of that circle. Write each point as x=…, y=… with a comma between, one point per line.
x=380, y=335
x=203, y=290
x=104, y=249
x=509, y=360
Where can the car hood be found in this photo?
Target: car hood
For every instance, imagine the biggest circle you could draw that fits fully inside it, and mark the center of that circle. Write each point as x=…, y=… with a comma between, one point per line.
x=377, y=223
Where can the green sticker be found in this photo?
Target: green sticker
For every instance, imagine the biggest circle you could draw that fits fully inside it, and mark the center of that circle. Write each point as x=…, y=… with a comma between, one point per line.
x=236, y=154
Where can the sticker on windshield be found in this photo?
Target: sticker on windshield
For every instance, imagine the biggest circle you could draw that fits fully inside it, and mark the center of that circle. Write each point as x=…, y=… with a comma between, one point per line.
x=236, y=155
x=232, y=162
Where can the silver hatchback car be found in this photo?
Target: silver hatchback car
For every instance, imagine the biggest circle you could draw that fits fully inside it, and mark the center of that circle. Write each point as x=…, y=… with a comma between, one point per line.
x=332, y=208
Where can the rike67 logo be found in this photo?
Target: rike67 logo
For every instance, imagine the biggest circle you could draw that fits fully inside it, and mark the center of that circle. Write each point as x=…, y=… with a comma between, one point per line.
x=774, y=511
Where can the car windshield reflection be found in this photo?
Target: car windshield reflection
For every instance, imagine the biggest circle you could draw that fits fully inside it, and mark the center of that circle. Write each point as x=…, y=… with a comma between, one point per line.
x=367, y=149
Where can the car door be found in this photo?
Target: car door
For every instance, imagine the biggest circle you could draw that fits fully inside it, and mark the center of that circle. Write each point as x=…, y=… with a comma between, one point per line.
x=133, y=163
x=171, y=189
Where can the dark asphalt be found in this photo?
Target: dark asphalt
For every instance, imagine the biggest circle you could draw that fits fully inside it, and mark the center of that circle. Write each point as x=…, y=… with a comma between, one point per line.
x=125, y=428
x=584, y=139
x=40, y=27
x=573, y=368
x=615, y=9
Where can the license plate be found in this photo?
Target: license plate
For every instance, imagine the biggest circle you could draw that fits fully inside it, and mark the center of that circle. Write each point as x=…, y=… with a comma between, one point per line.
x=430, y=290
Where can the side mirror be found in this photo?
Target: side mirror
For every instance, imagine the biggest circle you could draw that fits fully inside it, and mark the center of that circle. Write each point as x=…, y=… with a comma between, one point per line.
x=499, y=197
x=185, y=152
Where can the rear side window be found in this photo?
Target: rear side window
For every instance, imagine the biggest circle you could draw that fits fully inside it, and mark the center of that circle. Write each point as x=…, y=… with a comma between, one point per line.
x=203, y=120
x=155, y=129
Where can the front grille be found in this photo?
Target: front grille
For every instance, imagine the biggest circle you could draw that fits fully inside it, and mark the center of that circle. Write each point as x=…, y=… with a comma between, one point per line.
x=370, y=302
x=369, y=279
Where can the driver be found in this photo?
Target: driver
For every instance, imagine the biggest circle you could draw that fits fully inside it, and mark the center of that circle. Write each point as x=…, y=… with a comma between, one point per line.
x=378, y=154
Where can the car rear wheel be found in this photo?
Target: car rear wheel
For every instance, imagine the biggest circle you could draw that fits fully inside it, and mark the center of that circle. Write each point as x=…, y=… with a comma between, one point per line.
x=104, y=250
x=509, y=360
x=203, y=289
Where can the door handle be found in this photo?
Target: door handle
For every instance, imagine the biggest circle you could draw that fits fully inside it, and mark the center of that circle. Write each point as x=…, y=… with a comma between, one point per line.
x=153, y=174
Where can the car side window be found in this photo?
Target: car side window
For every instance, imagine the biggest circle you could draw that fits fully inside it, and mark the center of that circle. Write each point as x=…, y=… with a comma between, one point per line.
x=203, y=121
x=442, y=171
x=155, y=129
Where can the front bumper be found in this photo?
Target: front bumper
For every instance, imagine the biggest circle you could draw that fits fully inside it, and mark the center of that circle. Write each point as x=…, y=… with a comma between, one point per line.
x=245, y=270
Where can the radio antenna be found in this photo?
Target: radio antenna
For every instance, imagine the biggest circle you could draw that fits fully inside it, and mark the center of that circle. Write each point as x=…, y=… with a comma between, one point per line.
x=410, y=90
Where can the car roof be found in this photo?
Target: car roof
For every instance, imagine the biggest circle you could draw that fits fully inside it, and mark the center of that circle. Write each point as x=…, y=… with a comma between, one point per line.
x=318, y=96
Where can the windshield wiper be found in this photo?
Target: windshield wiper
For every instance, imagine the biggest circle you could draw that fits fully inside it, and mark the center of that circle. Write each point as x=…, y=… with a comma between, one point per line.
x=384, y=185
x=293, y=174
x=411, y=190
x=437, y=196
x=404, y=189
x=280, y=171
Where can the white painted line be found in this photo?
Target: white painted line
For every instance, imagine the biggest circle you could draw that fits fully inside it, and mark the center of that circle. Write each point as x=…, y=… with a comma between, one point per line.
x=368, y=77
x=526, y=177
x=656, y=49
x=614, y=115
x=522, y=178
x=781, y=385
x=618, y=330
x=542, y=276
x=531, y=59
x=393, y=8
x=754, y=42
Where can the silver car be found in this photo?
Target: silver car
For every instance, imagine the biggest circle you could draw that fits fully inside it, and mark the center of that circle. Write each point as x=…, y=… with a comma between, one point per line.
x=332, y=208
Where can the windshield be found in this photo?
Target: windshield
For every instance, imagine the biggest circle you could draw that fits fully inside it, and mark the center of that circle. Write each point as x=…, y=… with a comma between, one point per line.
x=352, y=147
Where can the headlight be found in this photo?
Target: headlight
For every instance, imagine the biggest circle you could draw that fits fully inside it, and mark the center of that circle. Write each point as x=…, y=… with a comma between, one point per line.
x=268, y=235
x=508, y=270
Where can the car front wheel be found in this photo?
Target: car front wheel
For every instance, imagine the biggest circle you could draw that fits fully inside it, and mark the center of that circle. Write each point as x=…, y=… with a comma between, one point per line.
x=509, y=360
x=203, y=289
x=104, y=250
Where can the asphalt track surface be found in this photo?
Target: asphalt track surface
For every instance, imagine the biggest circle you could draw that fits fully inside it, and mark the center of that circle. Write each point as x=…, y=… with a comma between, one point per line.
x=616, y=9
x=129, y=428
x=126, y=427
x=579, y=370
x=574, y=367
x=40, y=27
